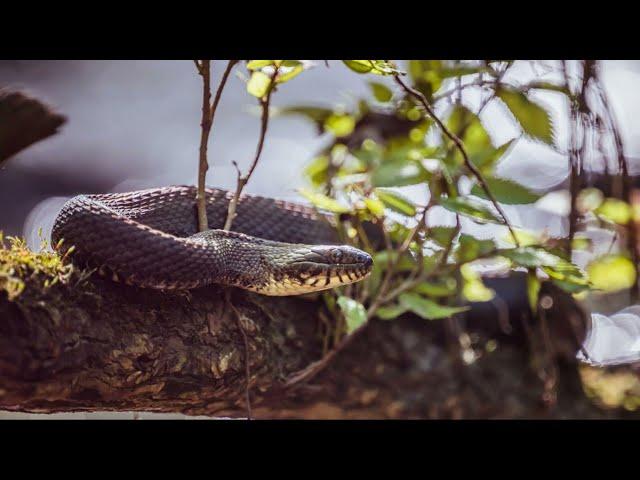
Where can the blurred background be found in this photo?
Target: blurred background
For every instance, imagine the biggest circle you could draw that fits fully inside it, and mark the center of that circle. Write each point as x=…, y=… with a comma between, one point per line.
x=136, y=124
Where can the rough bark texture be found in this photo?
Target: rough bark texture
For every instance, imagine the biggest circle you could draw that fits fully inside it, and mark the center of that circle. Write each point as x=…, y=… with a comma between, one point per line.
x=94, y=345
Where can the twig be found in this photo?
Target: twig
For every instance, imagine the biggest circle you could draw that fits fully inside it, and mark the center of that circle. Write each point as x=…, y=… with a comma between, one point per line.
x=576, y=151
x=208, y=114
x=480, y=82
x=458, y=143
x=204, y=69
x=243, y=179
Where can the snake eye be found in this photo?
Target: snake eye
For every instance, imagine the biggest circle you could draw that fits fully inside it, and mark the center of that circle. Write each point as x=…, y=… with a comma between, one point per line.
x=336, y=254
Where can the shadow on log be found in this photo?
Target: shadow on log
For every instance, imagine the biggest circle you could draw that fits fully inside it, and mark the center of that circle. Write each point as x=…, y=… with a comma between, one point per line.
x=91, y=345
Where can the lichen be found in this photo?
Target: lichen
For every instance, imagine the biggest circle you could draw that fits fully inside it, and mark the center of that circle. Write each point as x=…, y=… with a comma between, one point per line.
x=18, y=263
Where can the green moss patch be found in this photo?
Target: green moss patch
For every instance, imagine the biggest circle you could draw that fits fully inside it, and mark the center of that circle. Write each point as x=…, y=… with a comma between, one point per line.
x=18, y=263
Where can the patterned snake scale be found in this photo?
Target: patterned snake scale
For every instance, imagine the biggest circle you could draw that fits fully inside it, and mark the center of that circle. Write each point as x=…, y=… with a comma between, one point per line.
x=149, y=238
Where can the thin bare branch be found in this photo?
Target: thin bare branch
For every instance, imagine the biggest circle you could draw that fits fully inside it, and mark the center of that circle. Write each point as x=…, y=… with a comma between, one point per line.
x=244, y=179
x=208, y=114
x=204, y=70
x=223, y=82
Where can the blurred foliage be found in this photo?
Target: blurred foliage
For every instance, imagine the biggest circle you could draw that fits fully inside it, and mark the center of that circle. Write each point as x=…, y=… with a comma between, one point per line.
x=612, y=389
x=386, y=143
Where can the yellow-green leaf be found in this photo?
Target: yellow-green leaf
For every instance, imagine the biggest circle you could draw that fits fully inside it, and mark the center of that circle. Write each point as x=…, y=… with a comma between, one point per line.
x=473, y=288
x=533, y=290
x=615, y=210
x=340, y=125
x=359, y=66
x=288, y=75
x=379, y=67
x=259, y=84
x=323, y=202
x=317, y=170
x=375, y=206
x=611, y=273
x=258, y=64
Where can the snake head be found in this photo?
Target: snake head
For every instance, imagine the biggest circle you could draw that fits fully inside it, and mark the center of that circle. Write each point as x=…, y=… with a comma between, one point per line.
x=312, y=268
x=341, y=255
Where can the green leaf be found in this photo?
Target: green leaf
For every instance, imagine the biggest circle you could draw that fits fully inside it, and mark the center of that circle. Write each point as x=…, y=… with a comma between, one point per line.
x=526, y=238
x=375, y=206
x=284, y=77
x=359, y=66
x=317, y=170
x=259, y=84
x=390, y=312
x=470, y=208
x=553, y=265
x=474, y=289
x=258, y=64
x=612, y=273
x=381, y=92
x=533, y=290
x=340, y=125
x=442, y=288
x=426, y=75
x=426, y=308
x=354, y=313
x=506, y=191
x=467, y=125
x=532, y=257
x=382, y=258
x=396, y=202
x=533, y=119
x=470, y=248
x=323, y=202
x=615, y=210
x=570, y=286
x=399, y=174
x=443, y=236
x=379, y=67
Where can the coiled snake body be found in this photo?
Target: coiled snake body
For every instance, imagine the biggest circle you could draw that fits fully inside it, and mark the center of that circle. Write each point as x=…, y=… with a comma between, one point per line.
x=149, y=238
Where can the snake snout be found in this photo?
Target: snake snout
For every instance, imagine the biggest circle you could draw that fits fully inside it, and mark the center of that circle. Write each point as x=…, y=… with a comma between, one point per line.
x=341, y=255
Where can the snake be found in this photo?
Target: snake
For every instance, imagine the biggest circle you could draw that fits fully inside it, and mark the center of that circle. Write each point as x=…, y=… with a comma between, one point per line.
x=150, y=239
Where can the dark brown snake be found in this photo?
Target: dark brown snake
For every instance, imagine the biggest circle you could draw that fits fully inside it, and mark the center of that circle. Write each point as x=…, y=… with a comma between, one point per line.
x=149, y=238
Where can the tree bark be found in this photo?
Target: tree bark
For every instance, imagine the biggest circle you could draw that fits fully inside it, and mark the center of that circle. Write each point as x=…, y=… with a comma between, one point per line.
x=92, y=345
